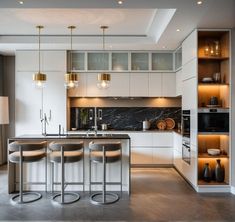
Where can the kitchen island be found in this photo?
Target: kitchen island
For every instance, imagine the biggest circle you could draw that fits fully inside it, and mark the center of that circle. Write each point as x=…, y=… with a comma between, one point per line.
x=34, y=172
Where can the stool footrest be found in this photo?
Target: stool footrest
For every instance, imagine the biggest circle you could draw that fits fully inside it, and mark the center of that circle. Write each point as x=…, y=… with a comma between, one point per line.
x=17, y=196
x=114, y=198
x=75, y=199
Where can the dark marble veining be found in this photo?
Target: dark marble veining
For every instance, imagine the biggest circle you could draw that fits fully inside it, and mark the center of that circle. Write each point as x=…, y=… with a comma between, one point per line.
x=122, y=118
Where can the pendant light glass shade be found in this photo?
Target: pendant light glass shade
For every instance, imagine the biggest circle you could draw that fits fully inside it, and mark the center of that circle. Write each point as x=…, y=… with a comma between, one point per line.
x=39, y=79
x=103, y=79
x=71, y=79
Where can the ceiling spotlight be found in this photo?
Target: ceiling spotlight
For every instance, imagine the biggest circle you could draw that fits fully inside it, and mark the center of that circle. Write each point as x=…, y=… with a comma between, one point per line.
x=120, y=2
x=177, y=30
x=199, y=2
x=21, y=2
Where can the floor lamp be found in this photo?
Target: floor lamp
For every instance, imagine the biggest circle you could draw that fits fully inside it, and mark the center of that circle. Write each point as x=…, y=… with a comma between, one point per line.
x=4, y=119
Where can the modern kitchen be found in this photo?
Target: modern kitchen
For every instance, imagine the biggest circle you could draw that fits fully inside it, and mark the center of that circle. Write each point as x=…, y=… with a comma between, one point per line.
x=120, y=110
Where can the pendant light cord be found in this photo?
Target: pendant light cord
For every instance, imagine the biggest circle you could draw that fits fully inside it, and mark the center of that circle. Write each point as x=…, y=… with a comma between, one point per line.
x=39, y=48
x=71, y=43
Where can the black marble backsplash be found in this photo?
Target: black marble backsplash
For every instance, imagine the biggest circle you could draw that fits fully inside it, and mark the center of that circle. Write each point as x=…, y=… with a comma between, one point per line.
x=122, y=118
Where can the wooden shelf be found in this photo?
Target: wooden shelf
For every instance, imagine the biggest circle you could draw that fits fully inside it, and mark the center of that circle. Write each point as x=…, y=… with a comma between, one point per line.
x=206, y=155
x=212, y=58
x=212, y=183
x=213, y=133
x=212, y=84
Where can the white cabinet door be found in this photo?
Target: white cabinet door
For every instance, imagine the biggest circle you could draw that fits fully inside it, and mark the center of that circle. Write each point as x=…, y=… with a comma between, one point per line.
x=141, y=139
x=162, y=155
x=178, y=142
x=28, y=102
x=54, y=61
x=189, y=48
x=92, y=89
x=179, y=82
x=139, y=84
x=120, y=84
x=189, y=70
x=155, y=84
x=168, y=84
x=141, y=155
x=55, y=101
x=189, y=94
x=162, y=139
x=79, y=91
x=27, y=61
x=178, y=162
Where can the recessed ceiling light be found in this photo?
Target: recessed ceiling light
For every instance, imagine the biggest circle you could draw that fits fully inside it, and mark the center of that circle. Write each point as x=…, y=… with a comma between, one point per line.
x=177, y=30
x=199, y=2
x=120, y=2
x=21, y=2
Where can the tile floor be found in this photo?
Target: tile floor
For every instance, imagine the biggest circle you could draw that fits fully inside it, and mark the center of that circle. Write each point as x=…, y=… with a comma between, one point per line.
x=157, y=195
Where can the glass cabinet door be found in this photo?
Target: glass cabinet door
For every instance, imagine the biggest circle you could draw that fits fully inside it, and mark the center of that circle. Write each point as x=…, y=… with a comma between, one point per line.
x=178, y=58
x=139, y=61
x=98, y=60
x=119, y=61
x=78, y=60
x=162, y=61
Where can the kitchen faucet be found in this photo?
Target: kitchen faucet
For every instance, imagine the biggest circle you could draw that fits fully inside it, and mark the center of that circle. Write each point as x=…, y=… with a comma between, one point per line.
x=45, y=122
x=95, y=127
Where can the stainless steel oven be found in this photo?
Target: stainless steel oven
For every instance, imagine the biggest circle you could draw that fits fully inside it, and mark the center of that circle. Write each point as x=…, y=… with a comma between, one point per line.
x=186, y=151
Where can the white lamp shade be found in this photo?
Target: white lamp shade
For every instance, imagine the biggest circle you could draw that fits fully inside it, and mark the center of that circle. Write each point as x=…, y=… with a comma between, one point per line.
x=4, y=111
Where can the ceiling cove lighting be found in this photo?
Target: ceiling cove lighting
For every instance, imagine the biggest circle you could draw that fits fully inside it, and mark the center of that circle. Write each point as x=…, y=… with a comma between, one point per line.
x=103, y=78
x=71, y=78
x=39, y=79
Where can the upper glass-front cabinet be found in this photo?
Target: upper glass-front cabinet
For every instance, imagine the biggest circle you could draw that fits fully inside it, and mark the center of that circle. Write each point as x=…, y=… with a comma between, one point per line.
x=162, y=61
x=139, y=61
x=178, y=58
x=119, y=61
x=122, y=61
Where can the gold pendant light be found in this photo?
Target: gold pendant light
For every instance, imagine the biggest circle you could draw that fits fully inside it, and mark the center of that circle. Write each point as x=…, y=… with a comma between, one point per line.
x=39, y=78
x=103, y=78
x=71, y=79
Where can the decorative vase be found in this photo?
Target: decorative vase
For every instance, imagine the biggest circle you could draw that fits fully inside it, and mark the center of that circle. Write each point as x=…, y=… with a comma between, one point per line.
x=207, y=174
x=219, y=171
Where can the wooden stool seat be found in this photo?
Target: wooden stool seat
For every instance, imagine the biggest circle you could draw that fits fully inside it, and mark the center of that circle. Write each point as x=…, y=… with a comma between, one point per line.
x=69, y=156
x=28, y=156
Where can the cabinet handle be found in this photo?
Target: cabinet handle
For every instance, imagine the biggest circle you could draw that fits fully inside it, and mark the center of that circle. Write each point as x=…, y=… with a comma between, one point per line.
x=41, y=114
x=100, y=114
x=50, y=115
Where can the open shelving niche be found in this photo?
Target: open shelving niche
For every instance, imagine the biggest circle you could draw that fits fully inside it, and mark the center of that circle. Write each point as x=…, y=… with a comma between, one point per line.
x=207, y=66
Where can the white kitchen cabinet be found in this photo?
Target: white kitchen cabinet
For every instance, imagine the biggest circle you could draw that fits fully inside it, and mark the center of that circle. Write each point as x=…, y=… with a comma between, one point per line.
x=179, y=82
x=168, y=85
x=162, y=155
x=27, y=61
x=28, y=102
x=178, y=142
x=91, y=89
x=50, y=61
x=141, y=155
x=139, y=84
x=189, y=70
x=54, y=61
x=79, y=91
x=141, y=139
x=55, y=101
x=119, y=85
x=189, y=48
x=155, y=84
x=162, y=139
x=189, y=94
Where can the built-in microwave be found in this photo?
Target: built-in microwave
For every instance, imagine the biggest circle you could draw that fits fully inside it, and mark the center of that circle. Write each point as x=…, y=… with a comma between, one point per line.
x=213, y=120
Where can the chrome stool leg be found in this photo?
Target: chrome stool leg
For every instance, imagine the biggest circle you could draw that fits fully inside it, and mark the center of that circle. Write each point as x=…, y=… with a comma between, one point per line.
x=20, y=195
x=63, y=193
x=114, y=197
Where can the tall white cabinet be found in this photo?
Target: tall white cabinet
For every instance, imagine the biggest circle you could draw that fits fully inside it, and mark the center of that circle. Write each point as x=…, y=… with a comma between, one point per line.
x=30, y=102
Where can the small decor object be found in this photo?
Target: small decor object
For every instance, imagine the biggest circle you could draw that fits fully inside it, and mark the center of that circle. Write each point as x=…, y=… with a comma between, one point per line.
x=213, y=152
x=217, y=77
x=207, y=173
x=161, y=124
x=207, y=80
x=206, y=50
x=219, y=171
x=170, y=123
x=217, y=48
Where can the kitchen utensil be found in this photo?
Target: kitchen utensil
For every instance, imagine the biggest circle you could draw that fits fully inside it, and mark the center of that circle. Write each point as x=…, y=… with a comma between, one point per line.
x=213, y=152
x=170, y=123
x=207, y=79
x=213, y=100
x=217, y=77
x=104, y=126
x=146, y=125
x=161, y=124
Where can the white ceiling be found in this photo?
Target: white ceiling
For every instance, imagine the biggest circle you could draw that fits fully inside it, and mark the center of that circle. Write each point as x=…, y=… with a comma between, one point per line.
x=136, y=25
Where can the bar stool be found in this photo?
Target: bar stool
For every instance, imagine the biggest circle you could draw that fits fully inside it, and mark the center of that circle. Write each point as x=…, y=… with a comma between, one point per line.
x=66, y=152
x=105, y=152
x=26, y=152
